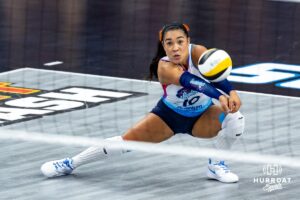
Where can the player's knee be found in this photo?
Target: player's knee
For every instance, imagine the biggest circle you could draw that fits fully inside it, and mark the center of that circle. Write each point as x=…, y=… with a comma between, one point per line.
x=131, y=135
x=234, y=123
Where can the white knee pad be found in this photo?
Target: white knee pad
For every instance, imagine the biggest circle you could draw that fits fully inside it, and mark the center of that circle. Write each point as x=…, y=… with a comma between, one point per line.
x=115, y=148
x=234, y=124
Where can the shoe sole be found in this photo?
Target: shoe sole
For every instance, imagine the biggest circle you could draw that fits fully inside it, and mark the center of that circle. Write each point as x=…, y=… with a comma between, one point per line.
x=213, y=176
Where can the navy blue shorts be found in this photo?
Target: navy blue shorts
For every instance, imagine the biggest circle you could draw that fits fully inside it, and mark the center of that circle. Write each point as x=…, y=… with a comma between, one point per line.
x=177, y=122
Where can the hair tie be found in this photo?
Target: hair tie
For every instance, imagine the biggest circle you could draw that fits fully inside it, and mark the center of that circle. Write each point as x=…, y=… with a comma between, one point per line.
x=186, y=27
x=160, y=35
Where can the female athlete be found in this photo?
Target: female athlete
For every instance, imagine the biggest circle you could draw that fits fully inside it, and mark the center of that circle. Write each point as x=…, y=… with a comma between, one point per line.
x=185, y=107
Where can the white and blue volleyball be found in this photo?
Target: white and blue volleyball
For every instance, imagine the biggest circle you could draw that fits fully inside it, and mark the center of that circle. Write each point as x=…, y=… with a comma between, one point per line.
x=215, y=65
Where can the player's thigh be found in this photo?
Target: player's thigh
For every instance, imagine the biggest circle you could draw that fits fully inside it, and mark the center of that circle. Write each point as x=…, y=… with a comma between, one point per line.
x=150, y=129
x=208, y=125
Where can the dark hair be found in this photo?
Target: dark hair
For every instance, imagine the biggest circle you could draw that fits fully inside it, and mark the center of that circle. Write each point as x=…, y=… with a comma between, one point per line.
x=160, y=49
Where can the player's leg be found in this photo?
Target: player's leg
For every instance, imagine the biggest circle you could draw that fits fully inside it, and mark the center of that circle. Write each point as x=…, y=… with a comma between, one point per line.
x=208, y=125
x=150, y=129
x=227, y=129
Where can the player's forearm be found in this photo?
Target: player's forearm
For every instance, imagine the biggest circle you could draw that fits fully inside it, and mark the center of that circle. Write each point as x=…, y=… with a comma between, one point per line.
x=224, y=85
x=193, y=82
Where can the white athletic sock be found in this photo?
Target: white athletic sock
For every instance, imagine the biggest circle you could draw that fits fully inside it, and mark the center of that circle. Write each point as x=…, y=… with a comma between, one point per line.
x=223, y=141
x=98, y=152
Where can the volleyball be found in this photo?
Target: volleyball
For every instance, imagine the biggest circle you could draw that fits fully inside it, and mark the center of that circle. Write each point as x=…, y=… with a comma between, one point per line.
x=215, y=65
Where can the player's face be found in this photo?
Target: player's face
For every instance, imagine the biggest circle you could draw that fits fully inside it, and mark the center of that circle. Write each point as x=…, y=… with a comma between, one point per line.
x=176, y=45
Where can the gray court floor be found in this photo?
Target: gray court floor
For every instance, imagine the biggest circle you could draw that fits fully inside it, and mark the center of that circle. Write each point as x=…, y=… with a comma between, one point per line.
x=272, y=128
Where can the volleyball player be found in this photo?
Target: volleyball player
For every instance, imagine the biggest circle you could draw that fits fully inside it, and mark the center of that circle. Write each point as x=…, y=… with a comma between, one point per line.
x=185, y=107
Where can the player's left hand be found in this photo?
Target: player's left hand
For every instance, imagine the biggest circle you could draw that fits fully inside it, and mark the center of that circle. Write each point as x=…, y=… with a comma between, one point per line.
x=234, y=102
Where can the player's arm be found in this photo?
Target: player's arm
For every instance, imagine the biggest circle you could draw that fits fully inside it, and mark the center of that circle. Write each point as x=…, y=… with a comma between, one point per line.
x=234, y=99
x=197, y=51
x=169, y=73
x=224, y=85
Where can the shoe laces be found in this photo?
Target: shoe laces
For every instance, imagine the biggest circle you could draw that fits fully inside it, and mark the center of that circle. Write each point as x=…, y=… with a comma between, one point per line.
x=223, y=166
x=63, y=165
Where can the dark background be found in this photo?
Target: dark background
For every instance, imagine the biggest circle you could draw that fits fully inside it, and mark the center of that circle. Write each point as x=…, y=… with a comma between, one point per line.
x=119, y=37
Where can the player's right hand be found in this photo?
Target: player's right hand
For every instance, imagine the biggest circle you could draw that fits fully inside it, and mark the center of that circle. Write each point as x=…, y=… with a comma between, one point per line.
x=224, y=102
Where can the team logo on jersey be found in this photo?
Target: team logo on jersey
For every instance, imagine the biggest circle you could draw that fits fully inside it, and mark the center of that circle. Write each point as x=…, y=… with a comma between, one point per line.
x=185, y=93
x=21, y=104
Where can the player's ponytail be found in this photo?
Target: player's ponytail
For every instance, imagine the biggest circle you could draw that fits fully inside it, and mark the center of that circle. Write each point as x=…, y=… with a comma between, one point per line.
x=154, y=64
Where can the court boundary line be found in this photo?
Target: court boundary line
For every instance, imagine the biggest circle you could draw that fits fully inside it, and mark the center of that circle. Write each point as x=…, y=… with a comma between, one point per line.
x=14, y=70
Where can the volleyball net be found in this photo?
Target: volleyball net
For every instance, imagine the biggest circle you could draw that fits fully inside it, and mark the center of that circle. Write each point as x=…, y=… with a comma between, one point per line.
x=169, y=149
x=71, y=109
